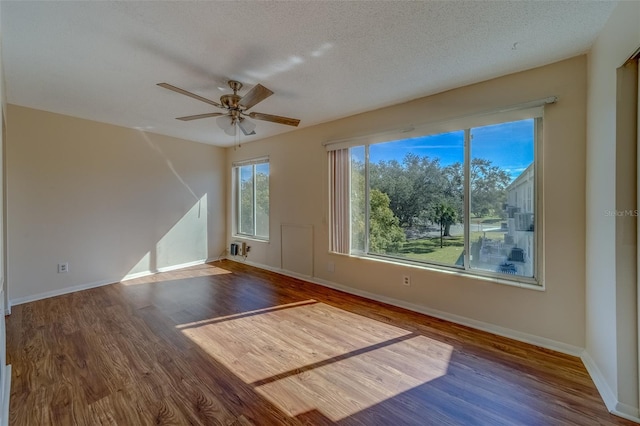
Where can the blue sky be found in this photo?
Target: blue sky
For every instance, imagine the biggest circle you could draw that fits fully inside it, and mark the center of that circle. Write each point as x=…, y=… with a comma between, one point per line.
x=246, y=172
x=508, y=145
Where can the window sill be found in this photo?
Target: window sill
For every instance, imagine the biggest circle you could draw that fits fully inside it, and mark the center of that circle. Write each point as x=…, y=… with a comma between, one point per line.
x=250, y=238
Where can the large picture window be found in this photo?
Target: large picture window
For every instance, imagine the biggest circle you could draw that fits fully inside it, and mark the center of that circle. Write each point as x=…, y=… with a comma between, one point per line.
x=252, y=198
x=462, y=199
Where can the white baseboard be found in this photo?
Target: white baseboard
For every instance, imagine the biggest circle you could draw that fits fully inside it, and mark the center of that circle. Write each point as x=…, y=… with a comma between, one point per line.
x=458, y=319
x=80, y=287
x=59, y=292
x=626, y=412
x=606, y=393
x=608, y=396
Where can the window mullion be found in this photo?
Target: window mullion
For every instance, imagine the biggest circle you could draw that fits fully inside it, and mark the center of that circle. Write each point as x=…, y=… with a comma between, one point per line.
x=238, y=194
x=467, y=198
x=255, y=209
x=350, y=201
x=537, y=202
x=366, y=199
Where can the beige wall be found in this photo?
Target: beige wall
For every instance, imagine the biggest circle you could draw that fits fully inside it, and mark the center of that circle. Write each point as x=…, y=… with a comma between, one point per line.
x=3, y=105
x=110, y=201
x=611, y=303
x=299, y=196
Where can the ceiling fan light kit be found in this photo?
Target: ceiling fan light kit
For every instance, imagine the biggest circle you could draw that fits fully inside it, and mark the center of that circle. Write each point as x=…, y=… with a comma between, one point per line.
x=235, y=107
x=226, y=123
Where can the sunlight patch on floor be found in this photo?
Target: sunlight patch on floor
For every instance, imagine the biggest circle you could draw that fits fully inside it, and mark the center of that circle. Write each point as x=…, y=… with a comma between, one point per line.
x=204, y=270
x=344, y=388
x=242, y=314
x=310, y=356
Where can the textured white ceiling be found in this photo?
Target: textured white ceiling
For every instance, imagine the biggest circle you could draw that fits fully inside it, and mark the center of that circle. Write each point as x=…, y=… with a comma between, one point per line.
x=323, y=60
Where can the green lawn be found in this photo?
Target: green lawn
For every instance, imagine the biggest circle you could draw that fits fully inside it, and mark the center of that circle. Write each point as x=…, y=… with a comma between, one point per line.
x=428, y=249
x=448, y=255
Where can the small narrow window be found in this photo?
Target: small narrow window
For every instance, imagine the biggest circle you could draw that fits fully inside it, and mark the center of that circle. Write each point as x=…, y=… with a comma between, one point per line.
x=252, y=198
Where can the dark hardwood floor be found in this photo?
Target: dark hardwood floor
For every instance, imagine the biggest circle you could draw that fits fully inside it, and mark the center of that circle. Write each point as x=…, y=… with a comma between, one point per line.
x=228, y=344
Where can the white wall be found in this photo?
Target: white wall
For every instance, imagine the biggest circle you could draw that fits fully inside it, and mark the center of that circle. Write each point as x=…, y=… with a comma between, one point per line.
x=110, y=201
x=554, y=317
x=610, y=303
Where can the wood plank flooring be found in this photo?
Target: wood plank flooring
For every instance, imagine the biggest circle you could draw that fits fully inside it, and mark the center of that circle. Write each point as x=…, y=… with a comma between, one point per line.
x=228, y=344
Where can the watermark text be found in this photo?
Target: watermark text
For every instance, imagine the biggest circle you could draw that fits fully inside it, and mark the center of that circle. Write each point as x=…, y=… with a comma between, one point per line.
x=621, y=213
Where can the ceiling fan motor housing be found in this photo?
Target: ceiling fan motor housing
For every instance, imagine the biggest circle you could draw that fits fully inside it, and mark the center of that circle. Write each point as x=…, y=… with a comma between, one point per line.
x=230, y=101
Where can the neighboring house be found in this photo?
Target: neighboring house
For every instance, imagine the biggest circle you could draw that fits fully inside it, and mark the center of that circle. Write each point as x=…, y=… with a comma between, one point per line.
x=520, y=221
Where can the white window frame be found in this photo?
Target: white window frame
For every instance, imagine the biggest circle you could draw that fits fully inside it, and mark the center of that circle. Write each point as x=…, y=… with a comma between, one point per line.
x=237, y=211
x=529, y=110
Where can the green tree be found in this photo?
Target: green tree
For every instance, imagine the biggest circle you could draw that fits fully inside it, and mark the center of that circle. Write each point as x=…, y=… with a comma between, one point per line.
x=419, y=186
x=358, y=205
x=246, y=204
x=261, y=199
x=444, y=215
x=412, y=186
x=488, y=187
x=385, y=233
x=262, y=203
x=454, y=188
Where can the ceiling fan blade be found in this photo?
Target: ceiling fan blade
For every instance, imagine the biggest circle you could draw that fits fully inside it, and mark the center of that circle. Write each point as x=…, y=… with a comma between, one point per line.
x=275, y=118
x=247, y=127
x=257, y=94
x=191, y=95
x=198, y=116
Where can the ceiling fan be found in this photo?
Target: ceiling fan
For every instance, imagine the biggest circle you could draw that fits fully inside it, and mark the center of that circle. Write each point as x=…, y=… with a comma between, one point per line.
x=235, y=108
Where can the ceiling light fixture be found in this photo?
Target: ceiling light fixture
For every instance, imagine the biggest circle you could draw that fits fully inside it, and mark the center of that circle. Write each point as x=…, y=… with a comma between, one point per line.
x=227, y=123
x=247, y=126
x=230, y=123
x=236, y=109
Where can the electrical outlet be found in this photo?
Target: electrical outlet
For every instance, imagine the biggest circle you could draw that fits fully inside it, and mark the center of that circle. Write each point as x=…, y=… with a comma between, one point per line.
x=406, y=280
x=63, y=267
